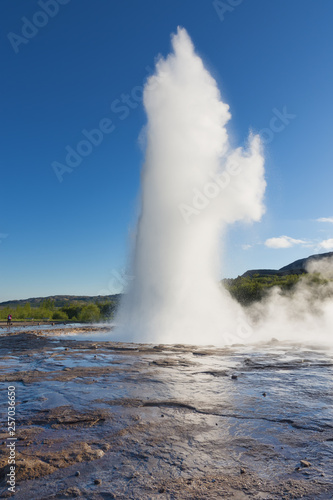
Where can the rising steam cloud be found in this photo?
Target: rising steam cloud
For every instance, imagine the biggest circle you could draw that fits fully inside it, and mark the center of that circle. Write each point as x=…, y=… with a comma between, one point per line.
x=193, y=185
x=304, y=314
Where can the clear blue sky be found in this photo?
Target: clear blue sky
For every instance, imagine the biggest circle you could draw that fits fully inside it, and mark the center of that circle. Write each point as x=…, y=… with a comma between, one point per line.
x=69, y=74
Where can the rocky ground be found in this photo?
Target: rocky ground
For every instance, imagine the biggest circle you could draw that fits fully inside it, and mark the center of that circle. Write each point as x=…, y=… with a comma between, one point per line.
x=101, y=419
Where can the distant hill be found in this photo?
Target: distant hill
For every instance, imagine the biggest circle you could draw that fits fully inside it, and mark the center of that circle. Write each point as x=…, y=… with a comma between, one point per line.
x=297, y=267
x=62, y=300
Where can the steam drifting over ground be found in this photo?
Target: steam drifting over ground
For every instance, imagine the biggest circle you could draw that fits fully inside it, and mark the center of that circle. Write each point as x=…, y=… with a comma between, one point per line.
x=193, y=185
x=304, y=315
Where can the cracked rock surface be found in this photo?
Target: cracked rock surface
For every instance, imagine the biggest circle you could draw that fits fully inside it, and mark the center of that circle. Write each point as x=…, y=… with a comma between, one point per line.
x=98, y=419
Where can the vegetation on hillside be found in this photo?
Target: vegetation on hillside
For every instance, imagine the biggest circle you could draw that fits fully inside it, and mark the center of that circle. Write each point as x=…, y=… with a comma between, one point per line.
x=83, y=312
x=247, y=290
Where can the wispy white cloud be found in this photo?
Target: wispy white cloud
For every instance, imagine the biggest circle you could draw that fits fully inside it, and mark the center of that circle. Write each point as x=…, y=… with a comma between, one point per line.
x=326, y=244
x=283, y=242
x=325, y=219
x=288, y=242
x=246, y=247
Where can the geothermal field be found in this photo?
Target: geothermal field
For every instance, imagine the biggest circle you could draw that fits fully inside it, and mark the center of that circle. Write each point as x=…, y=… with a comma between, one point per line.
x=187, y=394
x=102, y=419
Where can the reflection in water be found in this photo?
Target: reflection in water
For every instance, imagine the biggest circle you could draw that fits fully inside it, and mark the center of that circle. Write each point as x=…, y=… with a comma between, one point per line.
x=264, y=407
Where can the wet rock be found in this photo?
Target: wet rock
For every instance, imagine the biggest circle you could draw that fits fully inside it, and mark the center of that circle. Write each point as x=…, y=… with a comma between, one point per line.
x=305, y=463
x=32, y=468
x=264, y=394
x=234, y=377
x=97, y=481
x=7, y=494
x=216, y=373
x=67, y=416
x=73, y=492
x=73, y=434
x=105, y=447
x=77, y=473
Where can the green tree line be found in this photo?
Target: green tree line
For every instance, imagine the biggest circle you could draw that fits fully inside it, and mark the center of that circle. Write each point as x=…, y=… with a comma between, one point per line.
x=73, y=312
x=247, y=290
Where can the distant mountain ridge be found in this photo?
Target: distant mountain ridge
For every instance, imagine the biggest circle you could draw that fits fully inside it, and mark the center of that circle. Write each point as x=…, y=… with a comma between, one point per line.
x=297, y=267
x=61, y=300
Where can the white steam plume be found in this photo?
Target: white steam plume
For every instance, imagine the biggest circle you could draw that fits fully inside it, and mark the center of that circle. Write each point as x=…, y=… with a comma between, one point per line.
x=304, y=314
x=193, y=184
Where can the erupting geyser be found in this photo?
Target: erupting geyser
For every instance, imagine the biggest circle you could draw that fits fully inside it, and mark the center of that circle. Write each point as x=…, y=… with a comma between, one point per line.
x=193, y=184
